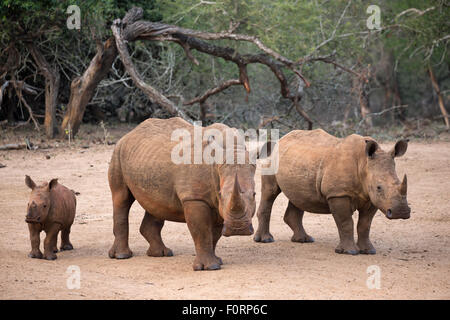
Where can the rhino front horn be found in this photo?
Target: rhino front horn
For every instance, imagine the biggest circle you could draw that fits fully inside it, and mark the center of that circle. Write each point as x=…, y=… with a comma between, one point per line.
x=236, y=204
x=404, y=186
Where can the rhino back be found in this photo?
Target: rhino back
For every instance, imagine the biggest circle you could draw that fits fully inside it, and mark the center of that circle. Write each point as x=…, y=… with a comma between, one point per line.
x=63, y=205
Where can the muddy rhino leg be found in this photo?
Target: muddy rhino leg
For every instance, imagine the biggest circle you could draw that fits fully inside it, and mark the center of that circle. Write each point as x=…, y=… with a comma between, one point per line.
x=65, y=239
x=55, y=247
x=269, y=192
x=364, y=221
x=293, y=218
x=199, y=221
x=216, y=234
x=151, y=230
x=341, y=209
x=35, y=240
x=122, y=201
x=50, y=242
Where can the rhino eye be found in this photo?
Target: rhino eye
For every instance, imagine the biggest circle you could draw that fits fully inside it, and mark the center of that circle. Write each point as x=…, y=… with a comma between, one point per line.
x=45, y=206
x=379, y=188
x=254, y=194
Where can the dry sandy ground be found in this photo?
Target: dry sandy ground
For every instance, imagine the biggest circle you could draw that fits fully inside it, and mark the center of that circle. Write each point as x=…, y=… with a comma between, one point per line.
x=413, y=255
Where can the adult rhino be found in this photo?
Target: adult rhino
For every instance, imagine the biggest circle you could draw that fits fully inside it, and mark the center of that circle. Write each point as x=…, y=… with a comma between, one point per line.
x=213, y=199
x=323, y=174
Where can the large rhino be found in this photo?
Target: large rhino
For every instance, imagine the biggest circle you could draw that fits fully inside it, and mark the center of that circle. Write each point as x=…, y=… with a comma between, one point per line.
x=213, y=199
x=323, y=174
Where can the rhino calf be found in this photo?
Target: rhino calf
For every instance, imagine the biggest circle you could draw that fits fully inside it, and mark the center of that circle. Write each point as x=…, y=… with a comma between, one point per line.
x=51, y=208
x=323, y=174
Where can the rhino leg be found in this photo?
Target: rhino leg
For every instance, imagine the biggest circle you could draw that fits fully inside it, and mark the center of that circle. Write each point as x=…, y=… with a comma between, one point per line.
x=269, y=192
x=65, y=239
x=342, y=211
x=293, y=218
x=35, y=240
x=199, y=220
x=151, y=230
x=122, y=201
x=364, y=221
x=216, y=234
x=50, y=242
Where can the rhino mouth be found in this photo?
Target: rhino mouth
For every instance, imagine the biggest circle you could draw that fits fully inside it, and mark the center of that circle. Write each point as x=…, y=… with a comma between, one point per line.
x=400, y=214
x=245, y=231
x=33, y=220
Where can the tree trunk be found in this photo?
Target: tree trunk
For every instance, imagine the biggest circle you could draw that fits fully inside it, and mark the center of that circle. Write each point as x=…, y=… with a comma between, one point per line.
x=51, y=89
x=83, y=88
x=440, y=98
x=364, y=105
x=359, y=86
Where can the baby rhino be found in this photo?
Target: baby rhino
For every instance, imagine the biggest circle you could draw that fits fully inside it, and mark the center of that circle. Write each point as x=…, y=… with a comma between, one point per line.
x=51, y=208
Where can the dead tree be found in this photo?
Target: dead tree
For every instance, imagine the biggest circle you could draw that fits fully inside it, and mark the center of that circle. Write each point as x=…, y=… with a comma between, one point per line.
x=83, y=88
x=131, y=28
x=21, y=87
x=51, y=76
x=440, y=98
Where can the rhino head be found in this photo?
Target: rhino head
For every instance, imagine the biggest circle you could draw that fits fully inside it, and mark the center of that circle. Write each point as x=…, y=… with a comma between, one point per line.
x=236, y=190
x=39, y=202
x=385, y=190
x=237, y=199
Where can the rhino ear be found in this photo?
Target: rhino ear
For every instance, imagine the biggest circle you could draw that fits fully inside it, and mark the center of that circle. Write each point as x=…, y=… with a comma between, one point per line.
x=400, y=148
x=52, y=183
x=371, y=148
x=29, y=182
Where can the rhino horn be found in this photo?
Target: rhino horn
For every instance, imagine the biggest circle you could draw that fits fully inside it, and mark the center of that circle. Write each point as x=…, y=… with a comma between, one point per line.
x=404, y=186
x=236, y=203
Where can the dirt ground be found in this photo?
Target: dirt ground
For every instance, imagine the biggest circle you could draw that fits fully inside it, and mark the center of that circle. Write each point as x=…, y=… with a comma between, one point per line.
x=413, y=255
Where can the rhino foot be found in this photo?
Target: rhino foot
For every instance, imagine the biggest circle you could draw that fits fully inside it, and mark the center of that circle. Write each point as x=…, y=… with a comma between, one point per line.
x=207, y=265
x=160, y=252
x=346, y=251
x=366, y=247
x=265, y=238
x=50, y=256
x=199, y=267
x=66, y=247
x=120, y=255
x=123, y=256
x=368, y=251
x=35, y=255
x=302, y=239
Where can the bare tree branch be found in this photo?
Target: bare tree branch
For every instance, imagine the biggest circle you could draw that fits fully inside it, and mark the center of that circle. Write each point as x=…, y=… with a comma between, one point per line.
x=151, y=92
x=18, y=89
x=131, y=29
x=213, y=91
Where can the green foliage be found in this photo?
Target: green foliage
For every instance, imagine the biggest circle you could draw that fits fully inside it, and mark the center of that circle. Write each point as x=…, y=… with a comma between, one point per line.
x=294, y=28
x=421, y=32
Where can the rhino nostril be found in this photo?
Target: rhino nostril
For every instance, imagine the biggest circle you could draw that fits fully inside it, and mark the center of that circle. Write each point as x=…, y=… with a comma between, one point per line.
x=389, y=213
